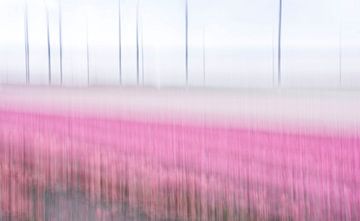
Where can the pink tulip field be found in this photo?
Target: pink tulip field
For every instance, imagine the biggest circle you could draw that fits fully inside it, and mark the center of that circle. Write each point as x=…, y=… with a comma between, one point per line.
x=172, y=170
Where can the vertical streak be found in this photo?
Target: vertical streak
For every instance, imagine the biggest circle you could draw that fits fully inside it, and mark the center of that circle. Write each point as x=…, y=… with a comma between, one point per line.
x=340, y=52
x=279, y=42
x=204, y=58
x=120, y=45
x=273, y=46
x=60, y=43
x=137, y=44
x=186, y=42
x=273, y=60
x=87, y=50
x=27, y=56
x=142, y=54
x=48, y=41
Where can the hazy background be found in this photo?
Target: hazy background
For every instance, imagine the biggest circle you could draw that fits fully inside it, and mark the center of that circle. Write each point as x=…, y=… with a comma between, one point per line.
x=235, y=40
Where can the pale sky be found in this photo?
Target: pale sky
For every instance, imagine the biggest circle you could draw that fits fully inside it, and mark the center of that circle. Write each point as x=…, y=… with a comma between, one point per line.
x=235, y=39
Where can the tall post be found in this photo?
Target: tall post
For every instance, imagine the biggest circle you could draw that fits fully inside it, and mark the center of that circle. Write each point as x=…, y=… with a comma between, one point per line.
x=48, y=42
x=137, y=44
x=120, y=45
x=204, y=57
x=27, y=50
x=60, y=43
x=340, y=48
x=187, y=42
x=87, y=50
x=279, y=42
x=142, y=54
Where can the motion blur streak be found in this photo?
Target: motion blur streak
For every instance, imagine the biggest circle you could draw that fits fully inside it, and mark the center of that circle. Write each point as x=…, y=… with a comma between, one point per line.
x=118, y=168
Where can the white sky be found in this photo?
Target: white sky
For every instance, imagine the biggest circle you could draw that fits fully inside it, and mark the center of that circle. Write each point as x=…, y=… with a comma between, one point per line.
x=239, y=39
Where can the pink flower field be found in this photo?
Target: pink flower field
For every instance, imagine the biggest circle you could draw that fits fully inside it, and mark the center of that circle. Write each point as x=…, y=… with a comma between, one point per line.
x=173, y=170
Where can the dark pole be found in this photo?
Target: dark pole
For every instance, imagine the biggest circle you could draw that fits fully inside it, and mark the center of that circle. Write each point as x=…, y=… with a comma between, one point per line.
x=279, y=43
x=204, y=58
x=120, y=62
x=87, y=51
x=60, y=43
x=340, y=55
x=27, y=56
x=187, y=42
x=142, y=54
x=48, y=41
x=137, y=45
